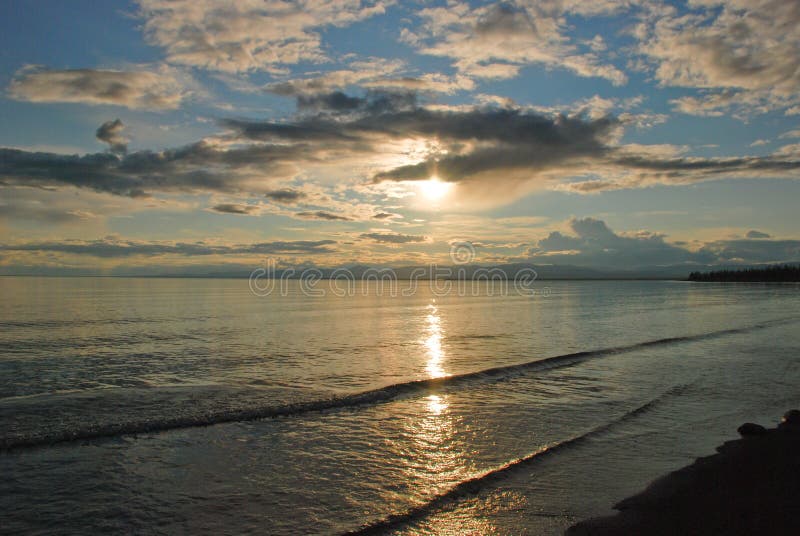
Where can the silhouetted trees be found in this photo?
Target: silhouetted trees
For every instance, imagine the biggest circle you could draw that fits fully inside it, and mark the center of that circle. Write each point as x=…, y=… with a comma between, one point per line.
x=778, y=273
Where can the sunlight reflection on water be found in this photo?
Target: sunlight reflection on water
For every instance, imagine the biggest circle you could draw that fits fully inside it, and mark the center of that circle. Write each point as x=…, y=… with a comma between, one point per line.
x=441, y=460
x=433, y=344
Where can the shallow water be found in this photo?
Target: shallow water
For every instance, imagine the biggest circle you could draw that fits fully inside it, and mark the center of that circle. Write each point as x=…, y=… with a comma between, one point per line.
x=178, y=405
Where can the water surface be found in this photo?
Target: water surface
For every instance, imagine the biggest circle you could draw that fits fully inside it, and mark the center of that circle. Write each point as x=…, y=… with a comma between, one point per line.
x=151, y=404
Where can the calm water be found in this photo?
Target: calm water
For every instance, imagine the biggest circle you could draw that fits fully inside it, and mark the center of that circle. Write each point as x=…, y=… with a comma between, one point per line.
x=166, y=406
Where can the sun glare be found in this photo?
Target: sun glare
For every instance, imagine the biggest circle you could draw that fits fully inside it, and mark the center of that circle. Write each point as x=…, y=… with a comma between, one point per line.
x=434, y=188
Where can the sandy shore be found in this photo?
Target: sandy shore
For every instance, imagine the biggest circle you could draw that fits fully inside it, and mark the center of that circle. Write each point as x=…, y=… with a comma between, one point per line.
x=751, y=486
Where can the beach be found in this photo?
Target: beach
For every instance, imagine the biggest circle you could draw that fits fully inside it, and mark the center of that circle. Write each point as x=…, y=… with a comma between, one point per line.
x=750, y=486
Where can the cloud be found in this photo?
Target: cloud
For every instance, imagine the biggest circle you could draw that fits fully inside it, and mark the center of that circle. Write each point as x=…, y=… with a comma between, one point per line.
x=356, y=73
x=245, y=36
x=322, y=215
x=494, y=155
x=494, y=41
x=196, y=167
x=506, y=145
x=753, y=251
x=68, y=206
x=483, y=124
x=424, y=83
x=336, y=101
x=522, y=150
x=742, y=54
x=756, y=234
x=375, y=102
x=161, y=89
x=480, y=144
x=394, y=238
x=625, y=171
x=115, y=247
x=375, y=74
x=589, y=242
x=595, y=244
x=285, y=196
x=789, y=151
x=385, y=216
x=236, y=208
x=110, y=132
x=31, y=211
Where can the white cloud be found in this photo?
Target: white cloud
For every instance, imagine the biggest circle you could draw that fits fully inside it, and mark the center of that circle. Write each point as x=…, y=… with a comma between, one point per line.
x=791, y=151
x=494, y=41
x=247, y=35
x=591, y=242
x=742, y=53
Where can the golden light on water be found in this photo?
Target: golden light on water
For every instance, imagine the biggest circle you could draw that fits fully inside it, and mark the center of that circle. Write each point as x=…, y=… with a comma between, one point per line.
x=436, y=404
x=433, y=344
x=439, y=457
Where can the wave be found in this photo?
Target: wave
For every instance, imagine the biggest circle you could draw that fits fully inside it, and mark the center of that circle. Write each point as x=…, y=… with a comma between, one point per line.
x=365, y=398
x=471, y=486
x=43, y=324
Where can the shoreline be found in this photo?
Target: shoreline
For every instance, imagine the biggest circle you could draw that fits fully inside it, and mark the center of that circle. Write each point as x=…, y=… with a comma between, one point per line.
x=750, y=486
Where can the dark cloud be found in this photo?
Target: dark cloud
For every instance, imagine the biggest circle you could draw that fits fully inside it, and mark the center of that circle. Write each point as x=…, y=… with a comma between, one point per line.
x=110, y=132
x=394, y=238
x=490, y=151
x=285, y=195
x=485, y=147
x=535, y=145
x=316, y=129
x=322, y=215
x=196, y=167
x=336, y=101
x=109, y=248
x=757, y=234
x=498, y=125
x=375, y=102
x=384, y=216
x=236, y=208
x=318, y=95
x=159, y=89
x=757, y=250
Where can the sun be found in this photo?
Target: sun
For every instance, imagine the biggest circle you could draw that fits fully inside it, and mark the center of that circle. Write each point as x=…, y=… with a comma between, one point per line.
x=434, y=188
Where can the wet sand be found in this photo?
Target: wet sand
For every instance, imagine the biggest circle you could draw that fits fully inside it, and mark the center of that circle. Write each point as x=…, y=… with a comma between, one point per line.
x=751, y=486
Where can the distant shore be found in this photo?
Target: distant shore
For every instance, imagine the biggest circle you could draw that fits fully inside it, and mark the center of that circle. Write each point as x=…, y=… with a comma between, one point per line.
x=751, y=486
x=771, y=274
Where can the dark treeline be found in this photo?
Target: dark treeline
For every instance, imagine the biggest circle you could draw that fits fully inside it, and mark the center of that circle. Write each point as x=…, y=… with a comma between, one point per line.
x=769, y=274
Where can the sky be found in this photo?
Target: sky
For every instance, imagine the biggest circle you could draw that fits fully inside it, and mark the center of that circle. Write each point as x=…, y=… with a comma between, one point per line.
x=160, y=136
